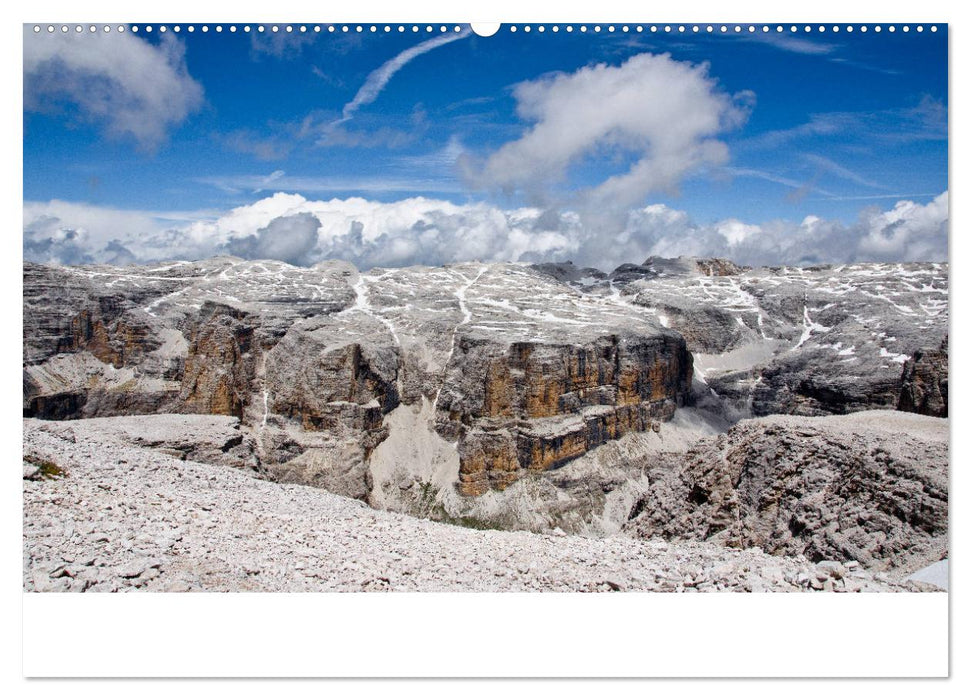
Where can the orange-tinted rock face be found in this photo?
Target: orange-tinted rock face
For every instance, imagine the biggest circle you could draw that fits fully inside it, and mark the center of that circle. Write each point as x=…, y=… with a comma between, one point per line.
x=532, y=407
x=220, y=365
x=116, y=342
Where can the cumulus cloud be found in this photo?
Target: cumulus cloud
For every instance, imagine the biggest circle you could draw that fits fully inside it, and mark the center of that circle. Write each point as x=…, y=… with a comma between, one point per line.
x=434, y=232
x=908, y=231
x=70, y=233
x=130, y=87
x=287, y=238
x=665, y=113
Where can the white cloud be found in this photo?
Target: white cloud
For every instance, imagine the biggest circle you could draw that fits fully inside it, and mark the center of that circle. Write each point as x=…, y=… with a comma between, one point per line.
x=65, y=232
x=793, y=44
x=433, y=232
x=825, y=164
x=664, y=112
x=280, y=44
x=266, y=181
x=379, y=77
x=909, y=231
x=287, y=238
x=130, y=87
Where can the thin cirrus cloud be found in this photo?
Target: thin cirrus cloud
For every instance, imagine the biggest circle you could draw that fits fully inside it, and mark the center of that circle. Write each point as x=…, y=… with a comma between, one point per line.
x=420, y=230
x=336, y=133
x=792, y=44
x=283, y=138
x=129, y=87
x=798, y=188
x=664, y=113
x=376, y=184
x=825, y=164
x=381, y=76
x=924, y=121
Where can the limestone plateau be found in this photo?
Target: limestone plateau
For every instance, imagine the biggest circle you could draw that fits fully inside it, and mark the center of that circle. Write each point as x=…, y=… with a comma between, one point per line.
x=681, y=401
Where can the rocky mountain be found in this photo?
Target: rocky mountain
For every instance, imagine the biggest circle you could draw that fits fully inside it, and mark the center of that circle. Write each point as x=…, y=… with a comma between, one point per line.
x=547, y=397
x=870, y=487
x=521, y=373
x=167, y=524
x=808, y=341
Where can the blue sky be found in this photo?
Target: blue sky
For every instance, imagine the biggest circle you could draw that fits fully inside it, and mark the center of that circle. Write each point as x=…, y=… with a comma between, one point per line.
x=808, y=125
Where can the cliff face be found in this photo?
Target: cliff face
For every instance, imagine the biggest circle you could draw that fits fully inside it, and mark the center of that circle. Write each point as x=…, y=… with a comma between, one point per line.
x=464, y=392
x=925, y=382
x=870, y=487
x=523, y=374
x=485, y=375
x=531, y=407
x=820, y=340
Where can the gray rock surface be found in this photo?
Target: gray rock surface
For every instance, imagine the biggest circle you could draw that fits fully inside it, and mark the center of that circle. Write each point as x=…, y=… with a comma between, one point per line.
x=523, y=373
x=166, y=524
x=200, y=438
x=870, y=487
x=491, y=395
x=810, y=341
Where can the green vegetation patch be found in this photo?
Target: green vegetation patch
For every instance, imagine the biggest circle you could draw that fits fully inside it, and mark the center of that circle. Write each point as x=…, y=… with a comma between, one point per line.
x=48, y=469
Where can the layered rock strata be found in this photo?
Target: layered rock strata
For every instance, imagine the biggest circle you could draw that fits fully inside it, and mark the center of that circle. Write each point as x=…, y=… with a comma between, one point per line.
x=818, y=340
x=523, y=374
x=166, y=524
x=870, y=487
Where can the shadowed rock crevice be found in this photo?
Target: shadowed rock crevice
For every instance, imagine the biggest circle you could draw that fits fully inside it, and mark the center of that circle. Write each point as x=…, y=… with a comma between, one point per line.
x=869, y=487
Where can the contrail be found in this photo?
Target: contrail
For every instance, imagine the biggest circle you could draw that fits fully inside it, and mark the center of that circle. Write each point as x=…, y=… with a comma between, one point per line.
x=379, y=77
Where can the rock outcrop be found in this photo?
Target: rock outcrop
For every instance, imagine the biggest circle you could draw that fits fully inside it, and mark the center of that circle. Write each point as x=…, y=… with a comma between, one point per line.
x=819, y=340
x=528, y=406
x=925, y=382
x=166, y=524
x=545, y=398
x=871, y=487
x=524, y=374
